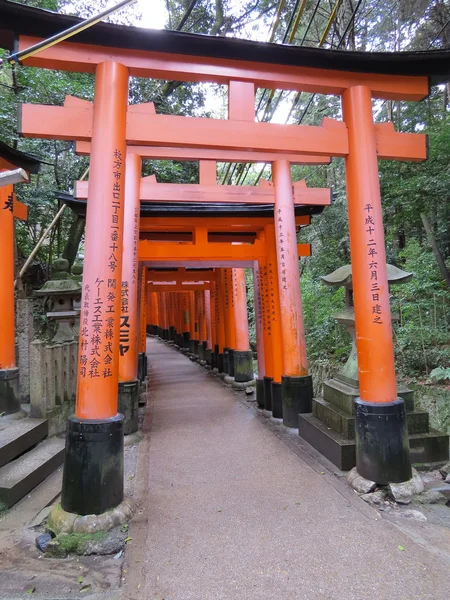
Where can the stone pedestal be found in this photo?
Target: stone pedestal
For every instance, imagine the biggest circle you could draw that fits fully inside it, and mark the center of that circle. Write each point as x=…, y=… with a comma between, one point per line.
x=297, y=393
x=9, y=395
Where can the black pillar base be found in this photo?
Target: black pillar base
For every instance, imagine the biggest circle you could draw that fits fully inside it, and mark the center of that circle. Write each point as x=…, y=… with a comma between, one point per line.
x=297, y=398
x=142, y=366
x=231, y=362
x=195, y=350
x=277, y=401
x=268, y=393
x=201, y=351
x=243, y=365
x=220, y=362
x=93, y=466
x=208, y=357
x=128, y=405
x=186, y=338
x=9, y=393
x=382, y=446
x=165, y=334
x=260, y=393
x=172, y=333
x=226, y=361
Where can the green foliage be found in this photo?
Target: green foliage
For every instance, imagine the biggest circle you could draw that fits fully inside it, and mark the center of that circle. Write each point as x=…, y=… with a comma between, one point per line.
x=422, y=332
x=439, y=375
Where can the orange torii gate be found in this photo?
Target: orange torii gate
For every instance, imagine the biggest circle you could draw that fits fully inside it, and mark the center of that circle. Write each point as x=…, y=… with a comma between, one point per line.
x=112, y=124
x=10, y=208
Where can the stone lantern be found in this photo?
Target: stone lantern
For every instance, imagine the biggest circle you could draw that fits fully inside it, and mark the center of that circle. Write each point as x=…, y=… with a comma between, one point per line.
x=343, y=277
x=61, y=291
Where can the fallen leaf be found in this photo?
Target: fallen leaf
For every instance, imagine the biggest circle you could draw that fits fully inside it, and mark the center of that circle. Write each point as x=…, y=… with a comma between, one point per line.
x=124, y=528
x=401, y=548
x=31, y=590
x=80, y=579
x=128, y=539
x=85, y=588
x=322, y=472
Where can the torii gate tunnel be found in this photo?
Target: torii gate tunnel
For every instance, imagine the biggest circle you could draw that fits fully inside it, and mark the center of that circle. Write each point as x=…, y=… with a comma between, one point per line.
x=118, y=135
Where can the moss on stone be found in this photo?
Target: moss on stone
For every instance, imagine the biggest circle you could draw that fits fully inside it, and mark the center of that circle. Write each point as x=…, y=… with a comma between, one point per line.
x=74, y=543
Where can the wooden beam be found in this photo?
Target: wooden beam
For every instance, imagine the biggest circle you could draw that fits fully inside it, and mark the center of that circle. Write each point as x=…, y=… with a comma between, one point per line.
x=180, y=287
x=221, y=194
x=159, y=65
x=188, y=224
x=73, y=121
x=217, y=154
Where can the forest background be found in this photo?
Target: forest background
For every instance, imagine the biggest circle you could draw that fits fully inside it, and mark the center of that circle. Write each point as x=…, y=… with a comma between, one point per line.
x=411, y=193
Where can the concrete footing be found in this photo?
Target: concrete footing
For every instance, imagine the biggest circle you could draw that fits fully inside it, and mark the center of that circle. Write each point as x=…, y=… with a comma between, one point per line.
x=128, y=405
x=93, y=466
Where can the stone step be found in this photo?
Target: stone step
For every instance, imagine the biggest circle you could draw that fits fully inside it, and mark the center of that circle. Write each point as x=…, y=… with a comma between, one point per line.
x=26, y=472
x=429, y=448
x=426, y=448
x=16, y=437
x=344, y=423
x=342, y=396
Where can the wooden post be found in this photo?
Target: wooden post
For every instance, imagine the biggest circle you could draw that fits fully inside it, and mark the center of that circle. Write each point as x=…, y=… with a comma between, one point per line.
x=97, y=428
x=381, y=435
x=296, y=383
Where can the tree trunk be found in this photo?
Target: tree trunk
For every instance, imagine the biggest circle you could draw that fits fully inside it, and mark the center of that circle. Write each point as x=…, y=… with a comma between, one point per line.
x=75, y=234
x=436, y=251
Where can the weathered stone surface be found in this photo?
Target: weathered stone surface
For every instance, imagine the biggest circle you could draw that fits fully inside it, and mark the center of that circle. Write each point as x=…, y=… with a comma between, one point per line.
x=375, y=498
x=60, y=521
x=55, y=550
x=404, y=491
x=445, y=470
x=415, y=515
x=359, y=484
x=112, y=543
x=111, y=518
x=430, y=497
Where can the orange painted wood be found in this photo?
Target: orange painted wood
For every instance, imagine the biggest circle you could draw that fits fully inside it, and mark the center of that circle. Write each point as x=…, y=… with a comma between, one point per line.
x=216, y=224
x=242, y=342
x=69, y=56
x=294, y=346
x=370, y=286
x=179, y=287
x=209, y=154
x=193, y=193
x=20, y=210
x=241, y=101
x=130, y=307
x=74, y=123
x=257, y=301
x=274, y=309
x=7, y=318
x=98, y=365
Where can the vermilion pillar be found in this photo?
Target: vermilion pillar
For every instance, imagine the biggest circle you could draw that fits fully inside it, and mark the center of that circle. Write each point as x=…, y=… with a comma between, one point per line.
x=203, y=343
x=382, y=450
x=243, y=356
x=267, y=336
x=129, y=312
x=220, y=312
x=186, y=321
x=296, y=383
x=275, y=322
x=142, y=337
x=257, y=298
x=209, y=327
x=9, y=374
x=155, y=312
x=95, y=435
